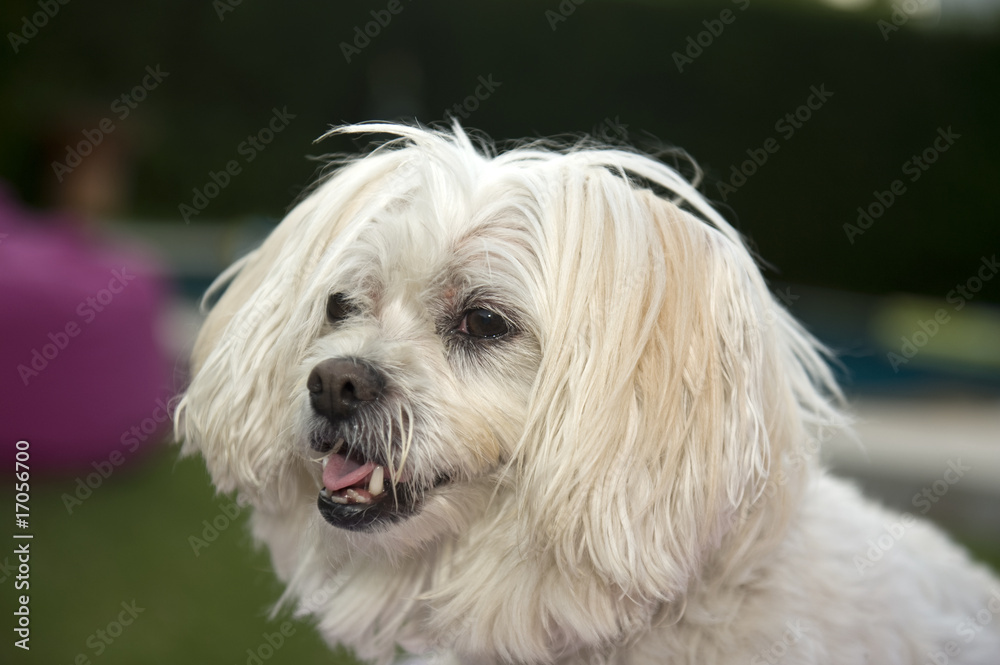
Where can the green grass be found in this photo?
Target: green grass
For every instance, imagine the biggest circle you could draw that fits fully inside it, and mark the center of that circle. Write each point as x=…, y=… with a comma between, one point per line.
x=130, y=541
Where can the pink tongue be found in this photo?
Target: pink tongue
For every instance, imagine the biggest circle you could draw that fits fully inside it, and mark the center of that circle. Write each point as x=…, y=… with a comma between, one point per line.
x=341, y=472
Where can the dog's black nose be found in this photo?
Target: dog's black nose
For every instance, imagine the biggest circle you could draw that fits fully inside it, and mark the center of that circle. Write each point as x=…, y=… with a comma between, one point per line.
x=337, y=386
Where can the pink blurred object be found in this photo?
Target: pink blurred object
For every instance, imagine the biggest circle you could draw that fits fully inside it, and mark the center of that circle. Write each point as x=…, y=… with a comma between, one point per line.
x=83, y=373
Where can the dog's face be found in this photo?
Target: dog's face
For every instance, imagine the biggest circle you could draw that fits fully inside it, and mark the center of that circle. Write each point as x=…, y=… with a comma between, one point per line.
x=427, y=347
x=521, y=402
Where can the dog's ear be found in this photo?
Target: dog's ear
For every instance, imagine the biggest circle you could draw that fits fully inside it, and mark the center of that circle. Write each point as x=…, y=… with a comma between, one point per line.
x=256, y=335
x=228, y=411
x=240, y=281
x=662, y=402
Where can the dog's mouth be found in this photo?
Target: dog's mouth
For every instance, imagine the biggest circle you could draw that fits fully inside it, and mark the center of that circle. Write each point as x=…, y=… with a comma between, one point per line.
x=359, y=493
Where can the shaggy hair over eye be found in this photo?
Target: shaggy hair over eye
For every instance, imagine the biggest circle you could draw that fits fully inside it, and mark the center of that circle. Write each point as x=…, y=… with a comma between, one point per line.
x=539, y=406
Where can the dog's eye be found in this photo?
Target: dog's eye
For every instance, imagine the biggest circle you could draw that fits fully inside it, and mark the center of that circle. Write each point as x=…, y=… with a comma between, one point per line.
x=338, y=307
x=483, y=323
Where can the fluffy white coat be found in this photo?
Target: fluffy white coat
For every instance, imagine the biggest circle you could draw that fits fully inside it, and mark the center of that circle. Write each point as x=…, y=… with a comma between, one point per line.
x=632, y=472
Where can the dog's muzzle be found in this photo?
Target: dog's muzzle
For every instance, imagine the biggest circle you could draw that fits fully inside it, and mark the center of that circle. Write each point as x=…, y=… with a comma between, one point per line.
x=359, y=490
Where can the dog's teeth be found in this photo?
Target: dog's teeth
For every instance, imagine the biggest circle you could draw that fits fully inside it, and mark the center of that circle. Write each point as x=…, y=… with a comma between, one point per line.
x=325, y=461
x=356, y=497
x=337, y=446
x=375, y=485
x=332, y=497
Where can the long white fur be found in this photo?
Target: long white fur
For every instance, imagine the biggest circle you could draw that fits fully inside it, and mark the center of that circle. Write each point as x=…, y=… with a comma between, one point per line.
x=633, y=472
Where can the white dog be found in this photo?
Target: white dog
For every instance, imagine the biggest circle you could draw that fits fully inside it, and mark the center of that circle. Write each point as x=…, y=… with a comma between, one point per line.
x=521, y=408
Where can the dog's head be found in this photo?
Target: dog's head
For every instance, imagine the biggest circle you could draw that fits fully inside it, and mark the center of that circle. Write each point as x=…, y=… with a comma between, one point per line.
x=520, y=383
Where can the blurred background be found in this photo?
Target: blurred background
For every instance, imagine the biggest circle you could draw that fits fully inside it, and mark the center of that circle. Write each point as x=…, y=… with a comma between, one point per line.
x=145, y=146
